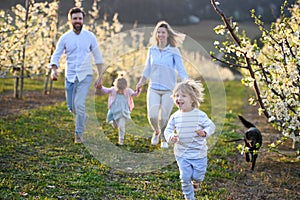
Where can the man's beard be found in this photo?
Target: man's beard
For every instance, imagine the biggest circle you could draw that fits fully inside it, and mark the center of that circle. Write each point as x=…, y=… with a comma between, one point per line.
x=77, y=27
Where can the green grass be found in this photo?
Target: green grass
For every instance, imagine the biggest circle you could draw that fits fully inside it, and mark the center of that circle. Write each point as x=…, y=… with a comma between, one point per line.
x=36, y=83
x=38, y=159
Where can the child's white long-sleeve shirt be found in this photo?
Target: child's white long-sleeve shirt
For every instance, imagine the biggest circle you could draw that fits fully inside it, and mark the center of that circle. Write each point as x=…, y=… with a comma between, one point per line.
x=190, y=144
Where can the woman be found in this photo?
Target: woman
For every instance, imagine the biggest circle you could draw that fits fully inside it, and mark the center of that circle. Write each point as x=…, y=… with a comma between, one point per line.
x=163, y=62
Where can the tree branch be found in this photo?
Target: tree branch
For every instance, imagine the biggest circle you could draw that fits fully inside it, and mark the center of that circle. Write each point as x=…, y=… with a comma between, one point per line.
x=227, y=63
x=248, y=63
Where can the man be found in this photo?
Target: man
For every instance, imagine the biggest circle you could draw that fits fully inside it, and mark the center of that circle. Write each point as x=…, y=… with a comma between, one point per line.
x=78, y=44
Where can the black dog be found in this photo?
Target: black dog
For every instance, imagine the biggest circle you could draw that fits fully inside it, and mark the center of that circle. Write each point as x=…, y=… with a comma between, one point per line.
x=253, y=141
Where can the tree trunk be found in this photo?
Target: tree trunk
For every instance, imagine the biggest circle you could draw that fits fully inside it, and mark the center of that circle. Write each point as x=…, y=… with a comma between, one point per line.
x=48, y=79
x=24, y=48
x=16, y=88
x=47, y=82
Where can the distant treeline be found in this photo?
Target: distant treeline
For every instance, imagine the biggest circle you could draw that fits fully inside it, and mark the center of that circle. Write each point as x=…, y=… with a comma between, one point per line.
x=177, y=12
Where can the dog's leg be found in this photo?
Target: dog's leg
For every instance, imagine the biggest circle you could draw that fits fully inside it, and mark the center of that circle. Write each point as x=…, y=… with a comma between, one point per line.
x=247, y=156
x=246, y=148
x=254, y=156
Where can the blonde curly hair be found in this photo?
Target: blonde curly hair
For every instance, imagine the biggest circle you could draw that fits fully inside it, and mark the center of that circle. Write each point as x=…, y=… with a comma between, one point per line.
x=193, y=88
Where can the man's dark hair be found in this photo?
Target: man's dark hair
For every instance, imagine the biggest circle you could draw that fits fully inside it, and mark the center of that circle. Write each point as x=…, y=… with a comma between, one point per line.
x=75, y=10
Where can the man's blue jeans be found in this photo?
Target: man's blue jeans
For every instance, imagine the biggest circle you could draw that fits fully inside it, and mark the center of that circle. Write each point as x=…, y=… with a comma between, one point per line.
x=76, y=94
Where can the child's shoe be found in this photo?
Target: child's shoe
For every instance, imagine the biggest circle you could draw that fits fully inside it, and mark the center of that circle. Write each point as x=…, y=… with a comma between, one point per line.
x=164, y=145
x=121, y=142
x=155, y=138
x=113, y=123
x=197, y=185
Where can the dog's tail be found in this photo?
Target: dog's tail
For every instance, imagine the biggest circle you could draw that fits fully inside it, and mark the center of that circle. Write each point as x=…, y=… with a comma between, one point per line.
x=234, y=140
x=246, y=123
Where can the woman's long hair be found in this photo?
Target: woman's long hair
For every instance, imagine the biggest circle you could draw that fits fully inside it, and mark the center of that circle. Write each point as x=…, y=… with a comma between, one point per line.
x=175, y=39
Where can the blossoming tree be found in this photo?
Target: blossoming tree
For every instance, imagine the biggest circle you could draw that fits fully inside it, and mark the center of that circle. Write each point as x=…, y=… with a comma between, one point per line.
x=272, y=70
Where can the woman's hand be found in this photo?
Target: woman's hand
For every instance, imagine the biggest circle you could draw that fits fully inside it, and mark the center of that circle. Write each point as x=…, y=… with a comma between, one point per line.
x=139, y=86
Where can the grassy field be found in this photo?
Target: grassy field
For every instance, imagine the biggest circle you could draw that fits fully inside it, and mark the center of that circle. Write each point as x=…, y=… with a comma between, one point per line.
x=39, y=160
x=7, y=85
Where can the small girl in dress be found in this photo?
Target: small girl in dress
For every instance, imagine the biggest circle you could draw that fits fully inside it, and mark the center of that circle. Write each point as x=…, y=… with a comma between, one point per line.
x=188, y=128
x=120, y=105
